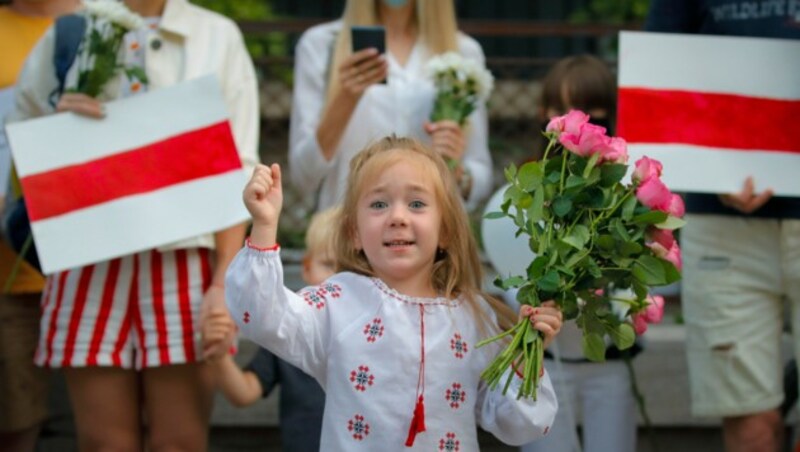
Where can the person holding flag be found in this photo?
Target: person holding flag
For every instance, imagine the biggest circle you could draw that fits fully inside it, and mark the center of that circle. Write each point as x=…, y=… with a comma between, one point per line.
x=741, y=259
x=124, y=331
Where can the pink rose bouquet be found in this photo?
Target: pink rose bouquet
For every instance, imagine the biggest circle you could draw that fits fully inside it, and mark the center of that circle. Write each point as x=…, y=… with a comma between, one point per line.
x=593, y=236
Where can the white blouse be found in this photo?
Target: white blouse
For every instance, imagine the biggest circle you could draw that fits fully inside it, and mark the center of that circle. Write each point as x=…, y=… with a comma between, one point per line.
x=364, y=343
x=400, y=106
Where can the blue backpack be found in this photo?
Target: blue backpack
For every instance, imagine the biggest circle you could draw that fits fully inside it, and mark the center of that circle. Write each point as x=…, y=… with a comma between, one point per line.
x=69, y=31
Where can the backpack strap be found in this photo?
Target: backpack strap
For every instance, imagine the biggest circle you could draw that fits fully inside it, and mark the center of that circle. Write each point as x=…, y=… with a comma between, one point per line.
x=69, y=31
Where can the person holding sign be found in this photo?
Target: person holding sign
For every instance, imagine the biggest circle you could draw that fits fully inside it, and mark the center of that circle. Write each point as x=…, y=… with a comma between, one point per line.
x=124, y=331
x=346, y=96
x=741, y=259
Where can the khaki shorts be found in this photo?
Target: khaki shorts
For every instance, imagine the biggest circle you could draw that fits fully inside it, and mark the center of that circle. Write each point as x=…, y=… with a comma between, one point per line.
x=737, y=274
x=23, y=386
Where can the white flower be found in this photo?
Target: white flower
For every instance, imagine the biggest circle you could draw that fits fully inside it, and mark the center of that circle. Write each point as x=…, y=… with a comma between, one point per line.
x=115, y=12
x=451, y=70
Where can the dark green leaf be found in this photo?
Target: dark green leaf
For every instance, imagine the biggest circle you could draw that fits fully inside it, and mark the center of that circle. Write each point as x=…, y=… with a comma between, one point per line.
x=494, y=215
x=652, y=217
x=649, y=270
x=628, y=207
x=549, y=282
x=562, y=206
x=611, y=173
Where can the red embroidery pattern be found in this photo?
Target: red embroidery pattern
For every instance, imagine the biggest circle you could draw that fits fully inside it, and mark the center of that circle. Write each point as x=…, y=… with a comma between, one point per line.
x=458, y=345
x=362, y=378
x=373, y=330
x=313, y=298
x=246, y=318
x=329, y=289
x=359, y=428
x=546, y=430
x=455, y=395
x=316, y=297
x=449, y=443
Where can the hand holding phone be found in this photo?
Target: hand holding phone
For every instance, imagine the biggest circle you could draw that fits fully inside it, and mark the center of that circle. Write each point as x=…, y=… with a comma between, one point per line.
x=366, y=37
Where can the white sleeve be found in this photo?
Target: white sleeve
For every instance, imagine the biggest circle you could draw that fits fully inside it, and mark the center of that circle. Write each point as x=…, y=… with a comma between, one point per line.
x=36, y=82
x=272, y=315
x=307, y=166
x=516, y=422
x=240, y=89
x=477, y=159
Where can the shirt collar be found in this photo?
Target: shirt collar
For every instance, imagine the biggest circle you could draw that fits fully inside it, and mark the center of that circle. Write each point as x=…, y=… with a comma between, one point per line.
x=176, y=18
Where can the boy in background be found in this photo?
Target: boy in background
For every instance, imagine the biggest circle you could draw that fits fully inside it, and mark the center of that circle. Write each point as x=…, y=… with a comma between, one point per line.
x=302, y=399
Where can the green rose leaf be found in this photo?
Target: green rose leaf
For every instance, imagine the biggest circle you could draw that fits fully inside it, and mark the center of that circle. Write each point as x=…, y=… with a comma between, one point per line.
x=623, y=335
x=650, y=270
x=530, y=176
x=671, y=223
x=594, y=347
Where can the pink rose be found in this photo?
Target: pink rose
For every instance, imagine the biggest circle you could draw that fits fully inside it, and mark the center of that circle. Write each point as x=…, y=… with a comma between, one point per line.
x=676, y=207
x=674, y=256
x=670, y=253
x=653, y=313
x=655, y=309
x=570, y=123
x=616, y=150
x=590, y=140
x=639, y=324
x=646, y=168
x=663, y=237
x=654, y=194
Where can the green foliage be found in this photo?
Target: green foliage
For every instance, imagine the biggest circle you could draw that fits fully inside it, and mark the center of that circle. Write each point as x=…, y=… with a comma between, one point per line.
x=590, y=234
x=267, y=44
x=612, y=11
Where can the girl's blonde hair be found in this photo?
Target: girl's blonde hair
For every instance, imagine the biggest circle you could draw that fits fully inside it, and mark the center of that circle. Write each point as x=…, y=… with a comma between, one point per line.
x=319, y=235
x=457, y=269
x=436, y=22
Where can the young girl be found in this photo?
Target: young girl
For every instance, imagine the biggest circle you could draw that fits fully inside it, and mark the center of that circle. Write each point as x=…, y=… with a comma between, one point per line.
x=391, y=338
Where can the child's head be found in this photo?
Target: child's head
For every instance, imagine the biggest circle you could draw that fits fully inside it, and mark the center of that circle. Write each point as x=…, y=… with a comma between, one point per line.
x=319, y=262
x=581, y=82
x=402, y=214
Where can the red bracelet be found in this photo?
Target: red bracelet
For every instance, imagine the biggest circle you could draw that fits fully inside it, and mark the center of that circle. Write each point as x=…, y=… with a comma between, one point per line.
x=249, y=244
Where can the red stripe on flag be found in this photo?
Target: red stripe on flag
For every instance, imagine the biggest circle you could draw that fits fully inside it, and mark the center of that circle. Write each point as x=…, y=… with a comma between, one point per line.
x=708, y=119
x=195, y=154
x=156, y=278
x=105, y=309
x=77, y=313
x=185, y=305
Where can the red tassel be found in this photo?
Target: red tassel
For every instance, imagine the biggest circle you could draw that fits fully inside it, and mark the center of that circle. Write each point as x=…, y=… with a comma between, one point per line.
x=417, y=422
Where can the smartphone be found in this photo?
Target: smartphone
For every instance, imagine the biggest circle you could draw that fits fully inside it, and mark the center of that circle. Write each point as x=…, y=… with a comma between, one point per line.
x=364, y=37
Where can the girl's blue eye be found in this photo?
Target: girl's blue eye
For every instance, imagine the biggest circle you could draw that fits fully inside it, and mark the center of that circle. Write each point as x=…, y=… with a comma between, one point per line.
x=377, y=205
x=417, y=204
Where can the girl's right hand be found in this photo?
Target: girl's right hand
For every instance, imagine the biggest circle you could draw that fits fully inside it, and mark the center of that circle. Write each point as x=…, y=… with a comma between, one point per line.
x=361, y=70
x=263, y=195
x=81, y=104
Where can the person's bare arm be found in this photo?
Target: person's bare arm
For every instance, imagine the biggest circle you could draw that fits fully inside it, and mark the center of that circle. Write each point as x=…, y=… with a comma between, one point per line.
x=240, y=387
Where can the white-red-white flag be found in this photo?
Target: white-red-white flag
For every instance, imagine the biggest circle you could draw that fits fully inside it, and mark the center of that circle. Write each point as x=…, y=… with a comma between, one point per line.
x=713, y=109
x=161, y=167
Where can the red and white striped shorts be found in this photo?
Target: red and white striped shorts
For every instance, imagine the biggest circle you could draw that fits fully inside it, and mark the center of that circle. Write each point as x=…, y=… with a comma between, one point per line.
x=136, y=311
